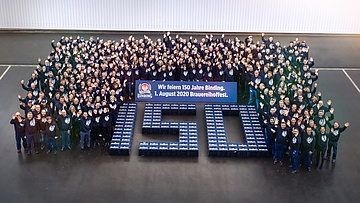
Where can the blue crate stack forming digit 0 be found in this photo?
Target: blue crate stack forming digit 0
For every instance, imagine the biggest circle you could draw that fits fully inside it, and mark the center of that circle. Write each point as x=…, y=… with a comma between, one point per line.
x=218, y=145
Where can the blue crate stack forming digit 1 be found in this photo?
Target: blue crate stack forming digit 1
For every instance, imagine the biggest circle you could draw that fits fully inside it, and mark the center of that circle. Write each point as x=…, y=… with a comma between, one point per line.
x=124, y=129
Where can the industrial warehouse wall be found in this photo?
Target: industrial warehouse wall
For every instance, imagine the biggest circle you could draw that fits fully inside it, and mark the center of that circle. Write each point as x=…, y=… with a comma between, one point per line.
x=280, y=16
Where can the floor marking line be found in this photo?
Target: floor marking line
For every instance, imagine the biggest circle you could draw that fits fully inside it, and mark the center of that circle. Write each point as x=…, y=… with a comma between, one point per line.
x=1, y=77
x=20, y=65
x=347, y=75
x=337, y=69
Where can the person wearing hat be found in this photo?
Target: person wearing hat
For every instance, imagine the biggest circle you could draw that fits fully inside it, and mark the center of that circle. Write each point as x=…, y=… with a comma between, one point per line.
x=44, y=105
x=29, y=97
x=51, y=133
x=334, y=136
x=19, y=126
x=27, y=107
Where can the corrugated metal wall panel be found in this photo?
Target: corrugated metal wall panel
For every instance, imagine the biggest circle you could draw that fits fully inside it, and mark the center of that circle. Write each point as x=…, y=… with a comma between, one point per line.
x=306, y=16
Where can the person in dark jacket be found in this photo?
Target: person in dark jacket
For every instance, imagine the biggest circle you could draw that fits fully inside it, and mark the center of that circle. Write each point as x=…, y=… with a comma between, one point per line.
x=95, y=127
x=218, y=73
x=152, y=73
x=19, y=126
x=229, y=73
x=208, y=75
x=105, y=122
x=281, y=141
x=114, y=108
x=31, y=132
x=51, y=132
x=129, y=82
x=294, y=147
x=254, y=85
x=321, y=142
x=308, y=147
x=65, y=125
x=85, y=123
x=270, y=131
x=199, y=71
x=184, y=74
x=42, y=120
x=334, y=136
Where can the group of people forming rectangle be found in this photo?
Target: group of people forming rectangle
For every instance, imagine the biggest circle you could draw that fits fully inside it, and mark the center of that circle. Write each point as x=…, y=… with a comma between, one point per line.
x=77, y=90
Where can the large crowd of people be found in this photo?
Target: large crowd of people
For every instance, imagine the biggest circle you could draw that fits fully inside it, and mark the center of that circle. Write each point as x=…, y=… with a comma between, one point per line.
x=75, y=93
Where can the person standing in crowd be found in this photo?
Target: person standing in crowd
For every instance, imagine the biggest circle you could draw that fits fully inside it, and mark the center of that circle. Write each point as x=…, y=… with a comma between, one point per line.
x=334, y=136
x=19, y=126
x=96, y=128
x=85, y=123
x=270, y=131
x=105, y=122
x=254, y=85
x=308, y=147
x=33, y=89
x=281, y=141
x=51, y=132
x=321, y=142
x=31, y=132
x=294, y=147
x=65, y=125
x=42, y=120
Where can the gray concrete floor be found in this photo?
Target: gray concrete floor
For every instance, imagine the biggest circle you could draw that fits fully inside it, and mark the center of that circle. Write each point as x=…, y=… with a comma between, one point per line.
x=94, y=176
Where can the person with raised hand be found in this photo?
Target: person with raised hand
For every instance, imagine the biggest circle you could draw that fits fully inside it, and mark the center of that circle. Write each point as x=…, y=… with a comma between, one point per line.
x=334, y=136
x=19, y=126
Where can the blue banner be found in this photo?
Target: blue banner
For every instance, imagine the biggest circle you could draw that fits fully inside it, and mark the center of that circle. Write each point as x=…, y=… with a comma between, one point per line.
x=185, y=91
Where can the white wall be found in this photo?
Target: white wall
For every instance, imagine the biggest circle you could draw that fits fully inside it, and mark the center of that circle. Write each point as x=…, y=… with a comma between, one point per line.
x=281, y=16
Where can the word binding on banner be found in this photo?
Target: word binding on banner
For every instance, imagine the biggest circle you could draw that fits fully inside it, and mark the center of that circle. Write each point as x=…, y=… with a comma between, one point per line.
x=185, y=91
